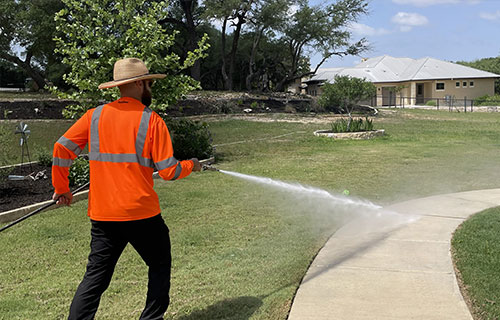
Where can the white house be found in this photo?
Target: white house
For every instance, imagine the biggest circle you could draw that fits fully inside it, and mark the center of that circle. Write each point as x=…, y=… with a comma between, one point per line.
x=418, y=80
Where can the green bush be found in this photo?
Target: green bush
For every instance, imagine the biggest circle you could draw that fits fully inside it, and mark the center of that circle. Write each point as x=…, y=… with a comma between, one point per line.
x=487, y=100
x=79, y=172
x=431, y=103
x=345, y=93
x=191, y=139
x=44, y=158
x=357, y=125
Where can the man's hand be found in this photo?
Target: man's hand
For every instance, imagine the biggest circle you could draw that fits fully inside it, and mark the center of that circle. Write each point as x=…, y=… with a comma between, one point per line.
x=63, y=199
x=197, y=164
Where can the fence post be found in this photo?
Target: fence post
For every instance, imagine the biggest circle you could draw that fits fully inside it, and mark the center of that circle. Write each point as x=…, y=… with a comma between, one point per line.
x=471, y=105
x=465, y=104
x=438, y=103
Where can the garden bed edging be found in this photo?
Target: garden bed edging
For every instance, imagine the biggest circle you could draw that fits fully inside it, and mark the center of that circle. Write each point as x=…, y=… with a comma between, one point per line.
x=362, y=135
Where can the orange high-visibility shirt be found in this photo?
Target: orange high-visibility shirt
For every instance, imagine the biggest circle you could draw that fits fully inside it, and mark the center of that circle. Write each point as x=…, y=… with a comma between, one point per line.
x=127, y=141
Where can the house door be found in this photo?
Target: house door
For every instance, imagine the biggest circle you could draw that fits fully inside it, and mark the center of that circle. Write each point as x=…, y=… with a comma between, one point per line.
x=388, y=96
x=420, y=93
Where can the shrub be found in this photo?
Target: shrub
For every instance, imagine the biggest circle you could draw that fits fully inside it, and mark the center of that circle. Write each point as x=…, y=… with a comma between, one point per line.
x=79, y=172
x=44, y=158
x=345, y=93
x=488, y=100
x=190, y=139
x=431, y=103
x=126, y=28
x=342, y=125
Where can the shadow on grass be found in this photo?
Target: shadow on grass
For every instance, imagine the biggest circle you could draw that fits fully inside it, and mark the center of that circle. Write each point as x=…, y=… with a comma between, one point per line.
x=239, y=308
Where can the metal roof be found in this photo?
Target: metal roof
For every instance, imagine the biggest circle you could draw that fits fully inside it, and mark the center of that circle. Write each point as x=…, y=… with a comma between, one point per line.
x=389, y=69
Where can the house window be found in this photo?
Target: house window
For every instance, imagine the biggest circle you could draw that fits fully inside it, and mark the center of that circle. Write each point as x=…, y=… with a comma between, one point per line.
x=457, y=84
x=464, y=84
x=439, y=86
x=471, y=84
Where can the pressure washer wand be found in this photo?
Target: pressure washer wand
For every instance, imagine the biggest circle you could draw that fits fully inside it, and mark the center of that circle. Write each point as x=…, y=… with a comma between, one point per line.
x=40, y=209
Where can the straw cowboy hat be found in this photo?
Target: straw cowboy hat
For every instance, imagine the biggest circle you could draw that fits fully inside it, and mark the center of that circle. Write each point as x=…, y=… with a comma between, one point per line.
x=129, y=70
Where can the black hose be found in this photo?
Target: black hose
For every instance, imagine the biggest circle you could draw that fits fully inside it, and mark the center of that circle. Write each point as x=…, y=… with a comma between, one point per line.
x=40, y=209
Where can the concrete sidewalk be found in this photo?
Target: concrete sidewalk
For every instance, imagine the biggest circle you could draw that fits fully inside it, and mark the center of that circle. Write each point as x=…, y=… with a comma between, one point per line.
x=403, y=273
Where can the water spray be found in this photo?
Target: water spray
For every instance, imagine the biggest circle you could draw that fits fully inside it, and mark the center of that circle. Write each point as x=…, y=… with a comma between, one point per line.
x=356, y=215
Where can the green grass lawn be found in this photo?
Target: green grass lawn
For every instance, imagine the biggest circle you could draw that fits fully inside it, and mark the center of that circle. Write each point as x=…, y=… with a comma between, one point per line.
x=44, y=133
x=476, y=252
x=240, y=250
x=26, y=95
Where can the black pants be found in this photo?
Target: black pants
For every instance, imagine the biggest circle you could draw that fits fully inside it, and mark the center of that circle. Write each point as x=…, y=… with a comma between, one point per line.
x=150, y=238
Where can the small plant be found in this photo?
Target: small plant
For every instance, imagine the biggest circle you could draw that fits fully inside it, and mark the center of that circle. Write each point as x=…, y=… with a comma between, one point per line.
x=254, y=105
x=431, y=103
x=6, y=113
x=44, y=158
x=79, y=172
x=342, y=125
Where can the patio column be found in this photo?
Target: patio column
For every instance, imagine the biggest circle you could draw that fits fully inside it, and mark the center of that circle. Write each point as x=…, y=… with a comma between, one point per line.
x=413, y=93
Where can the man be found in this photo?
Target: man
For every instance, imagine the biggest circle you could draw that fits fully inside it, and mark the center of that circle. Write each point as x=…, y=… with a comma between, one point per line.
x=127, y=140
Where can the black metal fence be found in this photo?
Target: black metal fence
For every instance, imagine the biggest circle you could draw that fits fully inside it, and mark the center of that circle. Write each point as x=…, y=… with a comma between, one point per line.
x=448, y=102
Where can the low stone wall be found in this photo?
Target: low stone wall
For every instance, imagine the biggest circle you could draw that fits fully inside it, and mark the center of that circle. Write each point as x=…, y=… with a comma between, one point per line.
x=193, y=104
x=364, y=135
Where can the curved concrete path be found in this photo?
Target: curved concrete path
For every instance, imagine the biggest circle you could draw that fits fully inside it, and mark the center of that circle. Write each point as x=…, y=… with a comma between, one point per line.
x=404, y=272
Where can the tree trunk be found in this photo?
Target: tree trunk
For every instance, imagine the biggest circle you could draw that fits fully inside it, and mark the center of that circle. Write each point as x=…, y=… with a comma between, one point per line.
x=223, y=45
x=234, y=48
x=251, y=63
x=26, y=66
x=192, y=41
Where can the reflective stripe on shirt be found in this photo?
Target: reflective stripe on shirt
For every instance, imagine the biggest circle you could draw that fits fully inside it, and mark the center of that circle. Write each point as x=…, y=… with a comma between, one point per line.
x=178, y=171
x=96, y=155
x=70, y=145
x=167, y=163
x=62, y=162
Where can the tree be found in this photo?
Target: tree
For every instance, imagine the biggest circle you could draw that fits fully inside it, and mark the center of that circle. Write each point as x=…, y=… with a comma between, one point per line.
x=267, y=16
x=28, y=26
x=486, y=64
x=235, y=13
x=10, y=76
x=323, y=30
x=185, y=15
x=93, y=34
x=345, y=93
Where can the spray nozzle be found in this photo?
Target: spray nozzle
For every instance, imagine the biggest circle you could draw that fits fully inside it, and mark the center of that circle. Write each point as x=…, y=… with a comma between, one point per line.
x=206, y=167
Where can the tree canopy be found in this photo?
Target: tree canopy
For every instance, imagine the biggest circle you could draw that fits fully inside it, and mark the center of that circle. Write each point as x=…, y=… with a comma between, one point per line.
x=254, y=44
x=94, y=34
x=486, y=64
x=26, y=31
x=344, y=93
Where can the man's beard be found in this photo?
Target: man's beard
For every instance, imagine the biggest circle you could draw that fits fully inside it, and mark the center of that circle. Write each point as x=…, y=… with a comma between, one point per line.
x=146, y=98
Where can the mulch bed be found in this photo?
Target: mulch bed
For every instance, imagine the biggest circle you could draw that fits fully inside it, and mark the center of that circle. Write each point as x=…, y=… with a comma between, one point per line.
x=17, y=194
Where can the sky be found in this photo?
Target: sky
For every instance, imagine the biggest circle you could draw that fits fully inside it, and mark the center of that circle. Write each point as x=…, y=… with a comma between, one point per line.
x=450, y=30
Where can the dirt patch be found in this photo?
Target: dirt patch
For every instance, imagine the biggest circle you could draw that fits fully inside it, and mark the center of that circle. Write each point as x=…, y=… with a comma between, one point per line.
x=33, y=109
x=16, y=194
